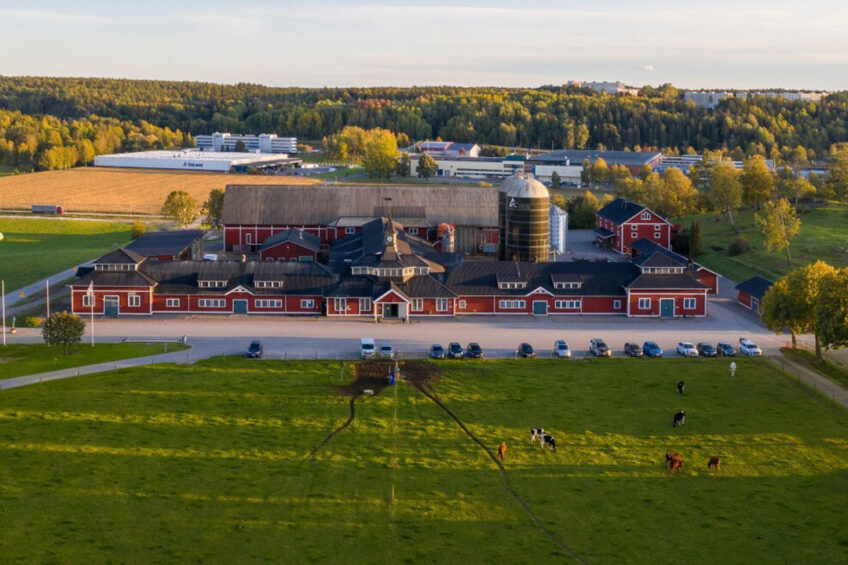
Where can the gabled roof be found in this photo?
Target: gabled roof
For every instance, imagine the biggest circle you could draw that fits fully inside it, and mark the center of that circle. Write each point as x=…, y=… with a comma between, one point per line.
x=115, y=278
x=620, y=210
x=120, y=256
x=645, y=247
x=683, y=281
x=159, y=243
x=657, y=259
x=566, y=277
x=296, y=236
x=755, y=286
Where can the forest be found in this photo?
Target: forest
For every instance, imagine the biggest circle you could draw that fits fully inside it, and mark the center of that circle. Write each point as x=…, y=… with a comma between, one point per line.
x=56, y=122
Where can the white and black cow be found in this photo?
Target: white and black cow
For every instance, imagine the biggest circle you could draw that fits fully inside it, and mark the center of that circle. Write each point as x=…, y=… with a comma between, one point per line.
x=679, y=419
x=536, y=433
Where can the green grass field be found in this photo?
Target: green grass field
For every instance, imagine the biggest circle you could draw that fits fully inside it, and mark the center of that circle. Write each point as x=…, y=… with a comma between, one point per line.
x=829, y=369
x=209, y=463
x=822, y=232
x=28, y=359
x=33, y=249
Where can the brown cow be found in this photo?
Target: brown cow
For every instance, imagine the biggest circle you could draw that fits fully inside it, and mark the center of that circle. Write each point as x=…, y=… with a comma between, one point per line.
x=714, y=462
x=669, y=457
x=676, y=465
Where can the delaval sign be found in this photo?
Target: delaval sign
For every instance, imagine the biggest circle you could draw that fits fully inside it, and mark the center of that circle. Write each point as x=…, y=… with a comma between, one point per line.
x=193, y=164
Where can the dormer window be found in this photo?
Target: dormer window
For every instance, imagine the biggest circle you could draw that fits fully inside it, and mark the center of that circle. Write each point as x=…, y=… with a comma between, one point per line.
x=512, y=285
x=646, y=215
x=268, y=284
x=212, y=284
x=114, y=267
x=570, y=285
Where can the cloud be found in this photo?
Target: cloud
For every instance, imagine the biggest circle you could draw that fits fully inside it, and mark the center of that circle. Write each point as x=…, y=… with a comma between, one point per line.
x=49, y=16
x=648, y=67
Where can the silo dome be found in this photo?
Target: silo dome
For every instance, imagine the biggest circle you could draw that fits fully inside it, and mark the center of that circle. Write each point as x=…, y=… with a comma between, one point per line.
x=523, y=219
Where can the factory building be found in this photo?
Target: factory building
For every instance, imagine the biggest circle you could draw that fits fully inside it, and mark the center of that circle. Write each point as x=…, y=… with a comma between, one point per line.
x=194, y=160
x=262, y=143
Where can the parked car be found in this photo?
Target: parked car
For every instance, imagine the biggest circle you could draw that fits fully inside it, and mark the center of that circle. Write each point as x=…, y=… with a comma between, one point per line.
x=706, y=349
x=525, y=350
x=386, y=351
x=651, y=349
x=749, y=348
x=437, y=351
x=474, y=351
x=367, y=349
x=599, y=348
x=254, y=350
x=455, y=350
x=725, y=349
x=561, y=349
x=632, y=349
x=686, y=349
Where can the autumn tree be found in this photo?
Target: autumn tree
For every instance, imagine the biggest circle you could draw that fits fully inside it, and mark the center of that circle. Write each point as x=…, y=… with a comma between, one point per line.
x=380, y=153
x=427, y=166
x=792, y=186
x=582, y=211
x=779, y=224
x=555, y=180
x=836, y=186
x=831, y=326
x=757, y=181
x=679, y=197
x=63, y=328
x=214, y=208
x=725, y=192
x=180, y=206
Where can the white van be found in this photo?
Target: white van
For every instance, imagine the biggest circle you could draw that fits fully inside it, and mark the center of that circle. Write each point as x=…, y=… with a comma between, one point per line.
x=367, y=349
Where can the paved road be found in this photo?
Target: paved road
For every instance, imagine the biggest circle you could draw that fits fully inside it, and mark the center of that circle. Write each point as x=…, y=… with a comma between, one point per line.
x=14, y=296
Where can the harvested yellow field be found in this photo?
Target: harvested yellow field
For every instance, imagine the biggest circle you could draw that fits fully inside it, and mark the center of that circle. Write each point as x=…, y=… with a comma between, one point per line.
x=129, y=191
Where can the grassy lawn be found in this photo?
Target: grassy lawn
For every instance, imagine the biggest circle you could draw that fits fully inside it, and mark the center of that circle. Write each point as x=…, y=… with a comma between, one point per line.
x=827, y=368
x=28, y=359
x=209, y=463
x=822, y=231
x=6, y=170
x=36, y=248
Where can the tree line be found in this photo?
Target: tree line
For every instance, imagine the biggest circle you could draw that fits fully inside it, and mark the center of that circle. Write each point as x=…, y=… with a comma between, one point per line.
x=545, y=118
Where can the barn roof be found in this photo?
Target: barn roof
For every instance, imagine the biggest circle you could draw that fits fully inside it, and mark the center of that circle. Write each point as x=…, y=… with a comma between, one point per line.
x=620, y=210
x=755, y=286
x=173, y=242
x=120, y=256
x=469, y=206
x=297, y=237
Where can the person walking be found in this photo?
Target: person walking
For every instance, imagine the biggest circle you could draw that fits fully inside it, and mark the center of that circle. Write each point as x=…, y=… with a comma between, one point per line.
x=733, y=368
x=502, y=451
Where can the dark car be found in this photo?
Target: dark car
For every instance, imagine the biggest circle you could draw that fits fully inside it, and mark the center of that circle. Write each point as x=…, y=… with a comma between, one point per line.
x=455, y=350
x=706, y=350
x=651, y=349
x=632, y=349
x=599, y=348
x=474, y=351
x=725, y=349
x=437, y=351
x=525, y=350
x=254, y=350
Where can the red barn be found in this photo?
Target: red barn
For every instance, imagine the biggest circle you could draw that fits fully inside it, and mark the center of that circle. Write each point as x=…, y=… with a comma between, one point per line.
x=290, y=245
x=751, y=292
x=642, y=250
x=622, y=222
x=174, y=245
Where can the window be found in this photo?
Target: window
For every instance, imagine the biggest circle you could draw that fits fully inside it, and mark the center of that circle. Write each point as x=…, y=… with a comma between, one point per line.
x=307, y=304
x=268, y=284
x=646, y=215
x=567, y=304
x=248, y=238
x=211, y=302
x=340, y=304
x=688, y=303
x=644, y=304
x=657, y=227
x=212, y=284
x=133, y=301
x=616, y=304
x=568, y=285
x=172, y=302
x=657, y=235
x=269, y=303
x=512, y=304
x=417, y=304
x=349, y=231
x=442, y=304
x=306, y=258
x=462, y=304
x=364, y=304
x=87, y=300
x=413, y=231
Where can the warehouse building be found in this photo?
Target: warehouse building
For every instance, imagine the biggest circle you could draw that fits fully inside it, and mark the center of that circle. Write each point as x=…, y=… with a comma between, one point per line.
x=633, y=160
x=263, y=143
x=194, y=160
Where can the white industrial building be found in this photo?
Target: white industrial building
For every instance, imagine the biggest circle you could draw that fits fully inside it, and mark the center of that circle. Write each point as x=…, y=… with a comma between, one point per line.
x=470, y=167
x=708, y=99
x=606, y=87
x=264, y=143
x=194, y=160
x=558, y=228
x=569, y=175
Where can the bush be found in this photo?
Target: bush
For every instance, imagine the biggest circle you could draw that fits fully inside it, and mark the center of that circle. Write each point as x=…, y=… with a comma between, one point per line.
x=31, y=322
x=738, y=246
x=139, y=228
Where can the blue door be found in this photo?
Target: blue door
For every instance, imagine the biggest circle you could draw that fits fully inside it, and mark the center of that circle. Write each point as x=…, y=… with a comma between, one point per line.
x=667, y=308
x=239, y=306
x=110, y=306
x=540, y=308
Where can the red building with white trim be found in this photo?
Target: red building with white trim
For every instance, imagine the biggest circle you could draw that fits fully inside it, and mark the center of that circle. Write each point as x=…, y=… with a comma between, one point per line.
x=751, y=293
x=623, y=222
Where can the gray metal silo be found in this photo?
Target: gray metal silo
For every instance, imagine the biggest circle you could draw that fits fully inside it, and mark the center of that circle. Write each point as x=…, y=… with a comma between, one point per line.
x=523, y=219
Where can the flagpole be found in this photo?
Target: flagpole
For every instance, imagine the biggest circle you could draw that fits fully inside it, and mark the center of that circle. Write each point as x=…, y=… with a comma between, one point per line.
x=3, y=301
x=48, y=298
x=90, y=294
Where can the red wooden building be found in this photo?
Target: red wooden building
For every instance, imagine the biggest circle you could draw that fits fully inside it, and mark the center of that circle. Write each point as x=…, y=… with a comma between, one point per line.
x=751, y=292
x=290, y=245
x=643, y=249
x=622, y=222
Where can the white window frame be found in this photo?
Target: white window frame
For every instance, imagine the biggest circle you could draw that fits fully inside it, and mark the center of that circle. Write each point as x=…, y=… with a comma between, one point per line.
x=644, y=304
x=462, y=304
x=657, y=227
x=364, y=304
x=307, y=303
x=616, y=304
x=340, y=304
x=350, y=231
x=645, y=215
x=690, y=303
x=442, y=304
x=211, y=303
x=657, y=235
x=88, y=300
x=172, y=303
x=417, y=304
x=567, y=304
x=512, y=304
x=133, y=301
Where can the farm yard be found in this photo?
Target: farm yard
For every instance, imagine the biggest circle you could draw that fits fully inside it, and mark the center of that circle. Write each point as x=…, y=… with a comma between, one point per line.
x=126, y=191
x=234, y=460
x=34, y=248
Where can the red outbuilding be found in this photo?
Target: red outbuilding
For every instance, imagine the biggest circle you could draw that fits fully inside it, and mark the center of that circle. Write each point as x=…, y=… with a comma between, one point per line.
x=622, y=222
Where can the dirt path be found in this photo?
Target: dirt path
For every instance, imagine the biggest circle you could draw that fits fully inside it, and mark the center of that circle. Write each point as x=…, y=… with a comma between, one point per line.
x=822, y=384
x=337, y=430
x=504, y=475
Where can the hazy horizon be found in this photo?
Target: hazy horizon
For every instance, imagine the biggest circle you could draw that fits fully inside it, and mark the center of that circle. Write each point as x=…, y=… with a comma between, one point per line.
x=754, y=45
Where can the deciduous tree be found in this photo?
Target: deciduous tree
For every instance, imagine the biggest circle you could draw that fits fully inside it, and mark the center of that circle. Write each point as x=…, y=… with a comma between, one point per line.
x=402, y=167
x=214, y=207
x=836, y=185
x=757, y=181
x=427, y=166
x=380, y=153
x=555, y=180
x=779, y=224
x=831, y=325
x=725, y=192
x=180, y=206
x=63, y=328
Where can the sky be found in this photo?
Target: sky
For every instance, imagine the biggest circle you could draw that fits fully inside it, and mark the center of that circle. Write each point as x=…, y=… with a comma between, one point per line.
x=707, y=44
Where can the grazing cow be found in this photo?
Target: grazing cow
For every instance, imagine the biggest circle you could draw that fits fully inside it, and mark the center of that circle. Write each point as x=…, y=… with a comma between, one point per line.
x=679, y=419
x=502, y=451
x=669, y=458
x=715, y=462
x=536, y=433
x=733, y=368
x=546, y=439
x=680, y=386
x=676, y=465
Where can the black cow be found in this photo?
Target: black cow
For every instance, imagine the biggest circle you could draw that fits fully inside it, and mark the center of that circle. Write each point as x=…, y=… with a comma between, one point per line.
x=680, y=386
x=679, y=419
x=546, y=439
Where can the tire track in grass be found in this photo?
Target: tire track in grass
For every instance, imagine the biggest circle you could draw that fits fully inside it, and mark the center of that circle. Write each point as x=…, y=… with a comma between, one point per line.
x=337, y=430
x=504, y=476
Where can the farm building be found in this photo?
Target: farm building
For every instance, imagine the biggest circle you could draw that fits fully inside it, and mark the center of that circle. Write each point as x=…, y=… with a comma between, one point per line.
x=622, y=222
x=290, y=245
x=633, y=160
x=643, y=249
x=168, y=245
x=751, y=292
x=254, y=213
x=194, y=160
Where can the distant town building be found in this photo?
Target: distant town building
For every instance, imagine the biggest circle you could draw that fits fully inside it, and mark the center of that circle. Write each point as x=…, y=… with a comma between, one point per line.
x=683, y=162
x=448, y=149
x=633, y=160
x=706, y=98
x=263, y=143
x=604, y=87
x=791, y=95
x=482, y=168
x=558, y=228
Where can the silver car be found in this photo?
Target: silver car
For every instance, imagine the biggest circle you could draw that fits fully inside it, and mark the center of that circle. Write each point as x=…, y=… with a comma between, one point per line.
x=561, y=349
